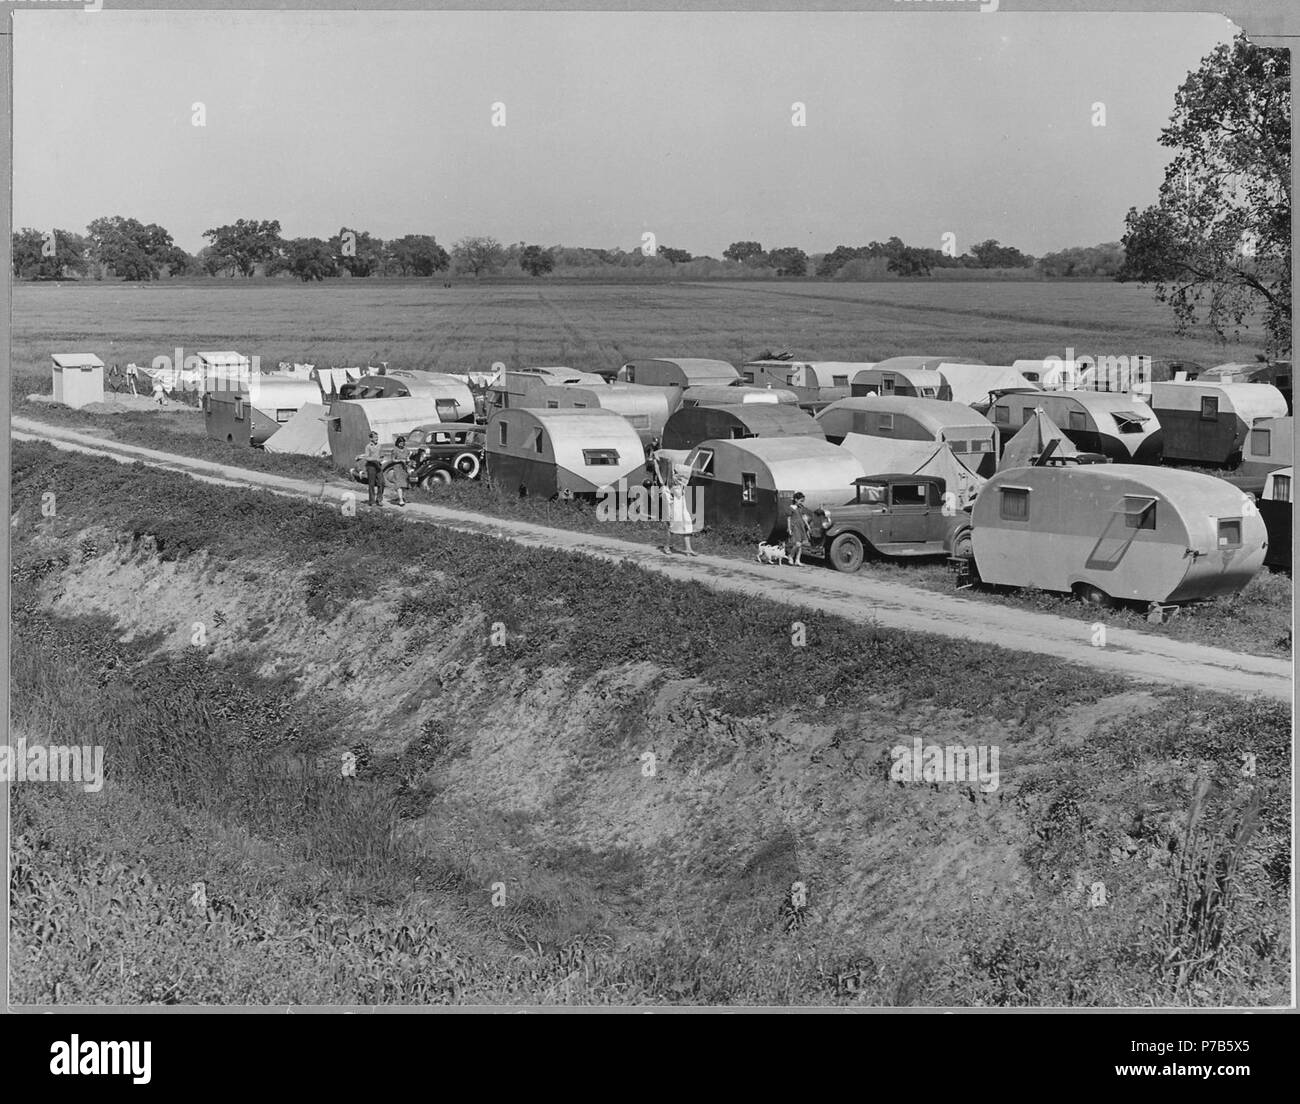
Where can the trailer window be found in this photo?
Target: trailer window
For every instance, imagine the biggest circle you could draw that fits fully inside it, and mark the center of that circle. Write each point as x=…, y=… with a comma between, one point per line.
x=284, y=415
x=1078, y=420
x=1002, y=415
x=239, y=410
x=1139, y=512
x=1209, y=408
x=1026, y=415
x=985, y=445
x=599, y=457
x=1014, y=504
x=552, y=404
x=748, y=377
x=1281, y=488
x=839, y=381
x=748, y=488
x=579, y=406
x=885, y=423
x=639, y=421
x=448, y=409
x=535, y=440
x=959, y=446
x=1261, y=441
x=1230, y=533
x=701, y=460
x=887, y=385
x=501, y=433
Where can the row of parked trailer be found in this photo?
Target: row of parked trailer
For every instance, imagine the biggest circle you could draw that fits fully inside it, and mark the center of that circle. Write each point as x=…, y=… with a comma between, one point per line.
x=1057, y=489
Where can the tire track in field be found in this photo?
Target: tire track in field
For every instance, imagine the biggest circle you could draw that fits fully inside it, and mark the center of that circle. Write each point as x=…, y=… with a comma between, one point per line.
x=574, y=338
x=891, y=605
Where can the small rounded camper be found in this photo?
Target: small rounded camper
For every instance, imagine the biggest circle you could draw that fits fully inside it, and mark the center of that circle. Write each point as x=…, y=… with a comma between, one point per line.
x=1118, y=426
x=691, y=425
x=720, y=396
x=751, y=482
x=454, y=398
x=1275, y=509
x=897, y=417
x=916, y=377
x=679, y=372
x=350, y=422
x=1208, y=423
x=645, y=408
x=549, y=452
x=903, y=375
x=1116, y=532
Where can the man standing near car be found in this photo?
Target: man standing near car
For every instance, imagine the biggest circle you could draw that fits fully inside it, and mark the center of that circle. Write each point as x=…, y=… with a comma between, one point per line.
x=374, y=461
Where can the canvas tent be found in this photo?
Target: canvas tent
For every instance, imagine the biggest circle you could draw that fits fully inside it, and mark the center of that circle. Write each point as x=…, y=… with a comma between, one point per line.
x=880, y=455
x=301, y=435
x=1024, y=449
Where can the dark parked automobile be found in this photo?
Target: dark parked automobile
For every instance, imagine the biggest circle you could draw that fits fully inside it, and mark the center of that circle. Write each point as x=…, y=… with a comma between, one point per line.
x=895, y=515
x=443, y=451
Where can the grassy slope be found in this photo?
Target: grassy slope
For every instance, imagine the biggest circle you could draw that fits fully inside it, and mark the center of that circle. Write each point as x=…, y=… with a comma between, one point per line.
x=521, y=765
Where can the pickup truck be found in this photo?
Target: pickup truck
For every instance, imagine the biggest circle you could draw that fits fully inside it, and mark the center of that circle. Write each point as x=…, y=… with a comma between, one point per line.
x=895, y=515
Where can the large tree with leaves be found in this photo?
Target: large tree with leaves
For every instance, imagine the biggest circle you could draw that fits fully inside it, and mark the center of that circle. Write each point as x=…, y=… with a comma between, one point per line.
x=242, y=245
x=134, y=251
x=1217, y=243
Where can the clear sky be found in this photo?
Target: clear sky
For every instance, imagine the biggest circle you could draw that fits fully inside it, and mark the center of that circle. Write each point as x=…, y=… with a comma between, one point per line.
x=917, y=123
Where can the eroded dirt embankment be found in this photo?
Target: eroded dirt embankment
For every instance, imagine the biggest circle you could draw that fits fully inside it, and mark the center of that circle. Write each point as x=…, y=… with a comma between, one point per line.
x=609, y=773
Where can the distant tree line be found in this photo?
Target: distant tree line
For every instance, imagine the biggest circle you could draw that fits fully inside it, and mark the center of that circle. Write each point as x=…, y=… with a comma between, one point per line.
x=130, y=250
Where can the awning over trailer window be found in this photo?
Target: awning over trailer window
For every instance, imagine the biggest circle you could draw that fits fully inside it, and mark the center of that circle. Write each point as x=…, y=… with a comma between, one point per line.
x=1129, y=421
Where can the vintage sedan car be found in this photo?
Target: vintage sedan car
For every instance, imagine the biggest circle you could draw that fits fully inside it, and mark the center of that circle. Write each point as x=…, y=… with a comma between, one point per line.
x=442, y=451
x=895, y=515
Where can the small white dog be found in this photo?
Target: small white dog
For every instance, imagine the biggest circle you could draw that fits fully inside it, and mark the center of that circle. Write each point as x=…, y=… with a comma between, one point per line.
x=772, y=554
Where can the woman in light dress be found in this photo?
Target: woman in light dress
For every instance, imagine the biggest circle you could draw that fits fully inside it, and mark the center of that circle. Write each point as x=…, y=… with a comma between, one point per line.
x=680, y=522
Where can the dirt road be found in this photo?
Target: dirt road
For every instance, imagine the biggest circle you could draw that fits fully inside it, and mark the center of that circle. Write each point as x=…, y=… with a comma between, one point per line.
x=1139, y=656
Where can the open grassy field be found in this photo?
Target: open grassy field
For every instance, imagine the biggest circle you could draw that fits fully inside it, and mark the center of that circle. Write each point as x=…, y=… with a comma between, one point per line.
x=590, y=326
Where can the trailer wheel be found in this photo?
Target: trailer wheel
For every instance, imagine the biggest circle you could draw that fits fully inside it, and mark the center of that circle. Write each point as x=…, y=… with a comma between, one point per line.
x=847, y=553
x=435, y=477
x=1090, y=595
x=467, y=464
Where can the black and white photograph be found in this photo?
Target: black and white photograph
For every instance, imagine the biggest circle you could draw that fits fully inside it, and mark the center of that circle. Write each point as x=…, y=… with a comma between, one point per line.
x=649, y=510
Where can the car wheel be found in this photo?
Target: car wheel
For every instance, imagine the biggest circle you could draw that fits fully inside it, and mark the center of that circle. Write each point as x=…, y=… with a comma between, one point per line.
x=847, y=553
x=467, y=464
x=963, y=545
x=436, y=477
x=1090, y=595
